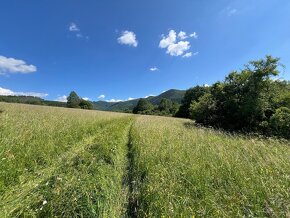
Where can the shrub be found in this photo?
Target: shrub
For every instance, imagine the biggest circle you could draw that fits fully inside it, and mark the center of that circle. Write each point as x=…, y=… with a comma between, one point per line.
x=280, y=122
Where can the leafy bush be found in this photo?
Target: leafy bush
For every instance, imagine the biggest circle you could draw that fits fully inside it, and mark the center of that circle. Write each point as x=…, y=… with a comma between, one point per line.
x=280, y=122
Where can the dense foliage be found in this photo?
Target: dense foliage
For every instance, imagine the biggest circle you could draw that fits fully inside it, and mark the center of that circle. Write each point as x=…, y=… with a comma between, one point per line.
x=249, y=100
x=165, y=108
x=74, y=101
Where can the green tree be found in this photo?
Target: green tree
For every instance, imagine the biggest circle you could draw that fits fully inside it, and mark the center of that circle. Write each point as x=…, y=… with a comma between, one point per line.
x=280, y=122
x=73, y=100
x=192, y=94
x=165, y=105
x=86, y=104
x=203, y=110
x=143, y=106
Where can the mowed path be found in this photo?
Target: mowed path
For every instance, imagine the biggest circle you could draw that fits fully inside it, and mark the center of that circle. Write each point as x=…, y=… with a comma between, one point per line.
x=58, y=162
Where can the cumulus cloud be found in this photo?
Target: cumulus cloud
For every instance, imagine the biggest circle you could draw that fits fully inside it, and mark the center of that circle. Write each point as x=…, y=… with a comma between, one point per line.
x=86, y=98
x=62, y=98
x=169, y=40
x=130, y=99
x=174, y=47
x=177, y=49
x=128, y=38
x=73, y=27
x=182, y=35
x=101, y=97
x=8, y=92
x=153, y=69
x=11, y=65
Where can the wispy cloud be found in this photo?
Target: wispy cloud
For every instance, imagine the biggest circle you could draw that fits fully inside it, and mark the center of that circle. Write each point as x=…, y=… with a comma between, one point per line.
x=73, y=27
x=11, y=65
x=8, y=92
x=173, y=46
x=128, y=38
x=190, y=54
x=154, y=69
x=229, y=11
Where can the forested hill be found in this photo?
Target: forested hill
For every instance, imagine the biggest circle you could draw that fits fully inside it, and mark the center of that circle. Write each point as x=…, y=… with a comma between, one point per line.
x=173, y=94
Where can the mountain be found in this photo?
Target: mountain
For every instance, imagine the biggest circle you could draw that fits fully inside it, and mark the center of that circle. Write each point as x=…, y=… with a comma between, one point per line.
x=172, y=94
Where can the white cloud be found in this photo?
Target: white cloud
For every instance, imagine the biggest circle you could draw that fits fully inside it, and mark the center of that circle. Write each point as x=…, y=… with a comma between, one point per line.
x=119, y=100
x=86, y=98
x=153, y=69
x=174, y=47
x=128, y=38
x=187, y=55
x=77, y=31
x=101, y=97
x=206, y=85
x=178, y=49
x=73, y=27
x=182, y=35
x=8, y=92
x=151, y=95
x=169, y=40
x=194, y=35
x=62, y=98
x=114, y=100
x=190, y=54
x=11, y=65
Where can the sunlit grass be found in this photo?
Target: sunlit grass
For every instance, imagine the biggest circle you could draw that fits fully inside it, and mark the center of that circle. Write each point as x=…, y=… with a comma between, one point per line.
x=61, y=162
x=183, y=171
x=58, y=162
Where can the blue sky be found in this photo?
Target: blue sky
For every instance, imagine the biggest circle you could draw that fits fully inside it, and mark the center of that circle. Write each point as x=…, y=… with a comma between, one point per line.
x=129, y=49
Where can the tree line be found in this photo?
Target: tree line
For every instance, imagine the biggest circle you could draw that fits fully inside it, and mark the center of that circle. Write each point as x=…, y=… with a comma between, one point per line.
x=250, y=100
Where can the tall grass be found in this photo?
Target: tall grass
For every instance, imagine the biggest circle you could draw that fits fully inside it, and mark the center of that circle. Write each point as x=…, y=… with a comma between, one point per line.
x=57, y=162
x=61, y=162
x=183, y=171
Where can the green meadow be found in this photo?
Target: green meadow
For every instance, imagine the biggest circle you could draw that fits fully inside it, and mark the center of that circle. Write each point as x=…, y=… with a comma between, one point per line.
x=60, y=162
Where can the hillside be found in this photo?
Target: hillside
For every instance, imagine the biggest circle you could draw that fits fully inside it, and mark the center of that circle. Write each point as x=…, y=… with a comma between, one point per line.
x=172, y=94
x=31, y=100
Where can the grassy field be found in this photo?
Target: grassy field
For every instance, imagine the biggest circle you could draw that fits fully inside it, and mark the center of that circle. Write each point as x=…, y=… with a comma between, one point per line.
x=57, y=162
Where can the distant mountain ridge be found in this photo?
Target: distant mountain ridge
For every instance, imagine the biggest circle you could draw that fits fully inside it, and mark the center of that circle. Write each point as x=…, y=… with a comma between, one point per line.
x=174, y=95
